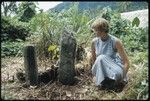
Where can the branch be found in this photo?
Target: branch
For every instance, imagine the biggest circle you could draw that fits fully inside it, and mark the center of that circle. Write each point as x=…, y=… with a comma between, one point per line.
x=139, y=94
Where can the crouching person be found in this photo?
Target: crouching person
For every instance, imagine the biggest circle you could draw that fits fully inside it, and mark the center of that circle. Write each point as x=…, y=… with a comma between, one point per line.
x=109, y=60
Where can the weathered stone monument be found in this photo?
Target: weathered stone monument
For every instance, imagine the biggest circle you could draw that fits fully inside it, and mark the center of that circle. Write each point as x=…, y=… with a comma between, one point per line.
x=66, y=70
x=31, y=71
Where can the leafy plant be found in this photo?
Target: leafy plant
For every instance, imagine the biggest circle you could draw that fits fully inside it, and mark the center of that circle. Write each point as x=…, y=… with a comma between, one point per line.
x=136, y=22
x=54, y=51
x=12, y=49
x=130, y=34
x=138, y=85
x=13, y=29
x=26, y=11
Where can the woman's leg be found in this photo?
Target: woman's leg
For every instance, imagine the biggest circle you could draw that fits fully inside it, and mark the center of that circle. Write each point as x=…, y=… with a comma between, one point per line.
x=103, y=67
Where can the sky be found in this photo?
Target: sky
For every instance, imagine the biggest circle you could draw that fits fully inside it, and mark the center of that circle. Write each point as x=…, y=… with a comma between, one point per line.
x=47, y=5
x=43, y=5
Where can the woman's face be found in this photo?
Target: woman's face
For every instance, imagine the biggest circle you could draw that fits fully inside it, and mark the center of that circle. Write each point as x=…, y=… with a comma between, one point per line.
x=100, y=34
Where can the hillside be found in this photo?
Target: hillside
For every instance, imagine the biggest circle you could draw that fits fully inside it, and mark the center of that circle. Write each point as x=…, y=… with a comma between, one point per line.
x=93, y=5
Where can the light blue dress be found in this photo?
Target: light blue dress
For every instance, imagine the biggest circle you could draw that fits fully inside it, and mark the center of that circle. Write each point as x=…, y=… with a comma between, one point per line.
x=108, y=62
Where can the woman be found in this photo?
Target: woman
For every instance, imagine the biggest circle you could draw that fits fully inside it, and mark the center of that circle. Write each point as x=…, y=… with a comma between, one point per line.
x=109, y=59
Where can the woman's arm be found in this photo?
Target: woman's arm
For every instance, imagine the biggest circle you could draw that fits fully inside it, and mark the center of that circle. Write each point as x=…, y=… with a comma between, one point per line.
x=93, y=54
x=122, y=54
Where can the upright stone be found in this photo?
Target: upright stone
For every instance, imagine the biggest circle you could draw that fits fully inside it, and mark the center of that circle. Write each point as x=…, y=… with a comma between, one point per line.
x=66, y=70
x=31, y=71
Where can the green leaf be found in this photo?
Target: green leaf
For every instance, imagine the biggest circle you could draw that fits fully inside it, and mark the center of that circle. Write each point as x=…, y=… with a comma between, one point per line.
x=52, y=47
x=136, y=21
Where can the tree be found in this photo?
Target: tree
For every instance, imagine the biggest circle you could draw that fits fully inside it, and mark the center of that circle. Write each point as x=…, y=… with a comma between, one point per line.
x=26, y=11
x=8, y=8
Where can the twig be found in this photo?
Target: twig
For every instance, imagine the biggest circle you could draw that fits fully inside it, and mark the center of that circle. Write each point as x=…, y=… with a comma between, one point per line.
x=48, y=84
x=139, y=94
x=60, y=95
x=60, y=92
x=93, y=90
x=115, y=93
x=4, y=89
x=7, y=75
x=83, y=81
x=51, y=92
x=133, y=90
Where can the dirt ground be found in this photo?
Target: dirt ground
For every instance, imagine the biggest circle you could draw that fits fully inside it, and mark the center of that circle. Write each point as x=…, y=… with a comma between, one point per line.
x=85, y=88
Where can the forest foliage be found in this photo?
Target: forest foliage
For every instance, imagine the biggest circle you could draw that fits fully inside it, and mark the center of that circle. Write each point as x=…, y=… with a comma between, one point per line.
x=45, y=28
x=49, y=26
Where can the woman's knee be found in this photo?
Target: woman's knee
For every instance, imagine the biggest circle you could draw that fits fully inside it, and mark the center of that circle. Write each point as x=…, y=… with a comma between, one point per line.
x=101, y=57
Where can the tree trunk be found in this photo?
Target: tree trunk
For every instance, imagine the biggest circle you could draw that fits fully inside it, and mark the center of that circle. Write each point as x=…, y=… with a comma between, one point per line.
x=30, y=64
x=66, y=71
x=5, y=8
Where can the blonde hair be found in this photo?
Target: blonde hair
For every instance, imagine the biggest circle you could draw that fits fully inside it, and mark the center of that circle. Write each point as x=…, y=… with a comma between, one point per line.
x=101, y=25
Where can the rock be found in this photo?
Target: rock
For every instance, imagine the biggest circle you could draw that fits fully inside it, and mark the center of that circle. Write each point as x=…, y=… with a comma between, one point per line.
x=66, y=70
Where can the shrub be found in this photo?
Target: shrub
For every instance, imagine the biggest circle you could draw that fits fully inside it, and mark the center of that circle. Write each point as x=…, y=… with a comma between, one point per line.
x=126, y=30
x=12, y=49
x=13, y=29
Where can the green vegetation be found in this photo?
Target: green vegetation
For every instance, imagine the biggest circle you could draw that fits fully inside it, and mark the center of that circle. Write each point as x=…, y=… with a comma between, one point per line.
x=26, y=11
x=12, y=49
x=45, y=28
x=13, y=29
